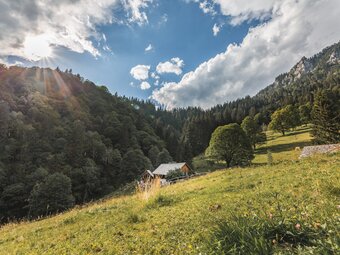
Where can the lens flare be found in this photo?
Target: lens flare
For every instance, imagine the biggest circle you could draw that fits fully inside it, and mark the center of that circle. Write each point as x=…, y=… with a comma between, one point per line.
x=37, y=47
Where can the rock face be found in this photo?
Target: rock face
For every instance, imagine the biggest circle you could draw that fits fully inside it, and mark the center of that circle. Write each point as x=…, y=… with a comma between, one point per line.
x=319, y=149
x=327, y=61
x=334, y=58
x=302, y=67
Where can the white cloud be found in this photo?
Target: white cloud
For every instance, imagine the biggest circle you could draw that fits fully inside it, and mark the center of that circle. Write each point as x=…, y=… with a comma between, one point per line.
x=173, y=66
x=145, y=85
x=135, y=10
x=245, y=10
x=295, y=29
x=148, y=48
x=140, y=72
x=68, y=23
x=207, y=7
x=155, y=76
x=216, y=29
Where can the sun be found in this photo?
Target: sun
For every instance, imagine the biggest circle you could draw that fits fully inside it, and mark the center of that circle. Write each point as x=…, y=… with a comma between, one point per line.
x=37, y=47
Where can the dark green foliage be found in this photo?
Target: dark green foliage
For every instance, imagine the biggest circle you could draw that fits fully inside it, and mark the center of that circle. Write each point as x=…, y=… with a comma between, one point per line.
x=305, y=113
x=231, y=144
x=153, y=155
x=253, y=130
x=163, y=157
x=55, y=122
x=326, y=117
x=52, y=195
x=174, y=174
x=134, y=163
x=243, y=235
x=284, y=119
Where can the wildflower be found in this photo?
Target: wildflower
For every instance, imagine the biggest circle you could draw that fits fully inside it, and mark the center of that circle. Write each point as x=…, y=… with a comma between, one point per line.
x=297, y=226
x=270, y=216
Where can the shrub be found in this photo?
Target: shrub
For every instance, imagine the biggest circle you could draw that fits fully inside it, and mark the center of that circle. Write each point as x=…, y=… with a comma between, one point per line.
x=242, y=235
x=174, y=174
x=160, y=201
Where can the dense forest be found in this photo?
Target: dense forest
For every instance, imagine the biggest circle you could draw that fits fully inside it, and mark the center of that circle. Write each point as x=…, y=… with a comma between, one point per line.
x=59, y=132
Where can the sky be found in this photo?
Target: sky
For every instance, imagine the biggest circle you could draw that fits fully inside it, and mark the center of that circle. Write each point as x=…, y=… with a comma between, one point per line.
x=177, y=53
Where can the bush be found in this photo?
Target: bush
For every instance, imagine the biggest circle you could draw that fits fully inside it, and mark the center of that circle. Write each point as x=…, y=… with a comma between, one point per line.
x=174, y=174
x=242, y=235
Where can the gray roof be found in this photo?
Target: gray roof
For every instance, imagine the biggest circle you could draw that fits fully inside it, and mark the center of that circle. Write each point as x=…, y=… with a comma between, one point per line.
x=310, y=150
x=164, y=169
x=150, y=173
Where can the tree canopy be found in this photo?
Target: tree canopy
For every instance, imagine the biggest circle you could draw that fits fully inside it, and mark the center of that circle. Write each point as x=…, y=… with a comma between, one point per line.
x=230, y=144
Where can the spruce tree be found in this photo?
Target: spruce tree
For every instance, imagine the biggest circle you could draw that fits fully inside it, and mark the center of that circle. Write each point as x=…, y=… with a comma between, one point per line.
x=326, y=117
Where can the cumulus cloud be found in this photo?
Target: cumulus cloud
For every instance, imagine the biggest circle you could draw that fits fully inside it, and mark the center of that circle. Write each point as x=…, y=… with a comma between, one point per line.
x=216, y=29
x=148, y=48
x=173, y=66
x=294, y=29
x=145, y=85
x=68, y=23
x=140, y=72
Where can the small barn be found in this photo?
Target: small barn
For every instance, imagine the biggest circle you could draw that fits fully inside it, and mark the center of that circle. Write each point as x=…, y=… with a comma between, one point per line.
x=147, y=176
x=164, y=169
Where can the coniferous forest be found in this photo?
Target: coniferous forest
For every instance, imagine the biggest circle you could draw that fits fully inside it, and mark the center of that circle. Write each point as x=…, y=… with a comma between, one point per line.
x=66, y=141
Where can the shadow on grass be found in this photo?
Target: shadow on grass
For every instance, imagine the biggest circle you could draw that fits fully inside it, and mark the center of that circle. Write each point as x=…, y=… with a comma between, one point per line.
x=282, y=147
x=297, y=132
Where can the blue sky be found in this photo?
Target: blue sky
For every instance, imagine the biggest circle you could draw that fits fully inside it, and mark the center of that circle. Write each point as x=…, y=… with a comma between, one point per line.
x=105, y=42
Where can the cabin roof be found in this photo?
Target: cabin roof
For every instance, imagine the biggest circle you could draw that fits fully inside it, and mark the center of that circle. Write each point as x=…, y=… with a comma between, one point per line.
x=308, y=151
x=150, y=173
x=164, y=169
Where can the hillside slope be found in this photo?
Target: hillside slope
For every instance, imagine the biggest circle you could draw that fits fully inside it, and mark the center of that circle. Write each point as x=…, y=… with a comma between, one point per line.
x=57, y=122
x=295, y=201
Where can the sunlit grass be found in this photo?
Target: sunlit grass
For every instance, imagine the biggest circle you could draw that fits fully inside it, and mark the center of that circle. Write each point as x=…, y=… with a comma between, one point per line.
x=287, y=147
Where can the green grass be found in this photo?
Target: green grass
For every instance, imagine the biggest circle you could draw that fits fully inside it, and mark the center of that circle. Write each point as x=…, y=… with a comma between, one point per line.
x=225, y=212
x=283, y=147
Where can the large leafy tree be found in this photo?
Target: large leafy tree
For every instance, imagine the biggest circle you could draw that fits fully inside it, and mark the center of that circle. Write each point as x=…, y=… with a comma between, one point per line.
x=231, y=144
x=284, y=119
x=253, y=131
x=326, y=117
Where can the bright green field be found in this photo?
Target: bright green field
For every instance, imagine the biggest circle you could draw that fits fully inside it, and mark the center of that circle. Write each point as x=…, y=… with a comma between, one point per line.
x=181, y=219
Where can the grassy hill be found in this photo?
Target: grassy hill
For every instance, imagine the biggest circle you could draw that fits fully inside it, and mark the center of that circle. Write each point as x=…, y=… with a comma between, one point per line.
x=289, y=206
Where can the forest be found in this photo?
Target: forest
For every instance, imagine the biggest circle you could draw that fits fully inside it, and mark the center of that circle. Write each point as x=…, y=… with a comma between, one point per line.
x=63, y=138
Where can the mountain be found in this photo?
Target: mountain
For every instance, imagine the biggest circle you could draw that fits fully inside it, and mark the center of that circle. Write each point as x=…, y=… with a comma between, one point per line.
x=322, y=71
x=296, y=87
x=58, y=129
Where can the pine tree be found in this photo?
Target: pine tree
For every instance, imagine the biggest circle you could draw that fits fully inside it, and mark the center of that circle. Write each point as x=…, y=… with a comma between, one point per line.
x=326, y=117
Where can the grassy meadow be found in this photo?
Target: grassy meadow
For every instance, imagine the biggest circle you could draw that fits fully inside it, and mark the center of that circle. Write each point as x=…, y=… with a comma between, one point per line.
x=287, y=207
